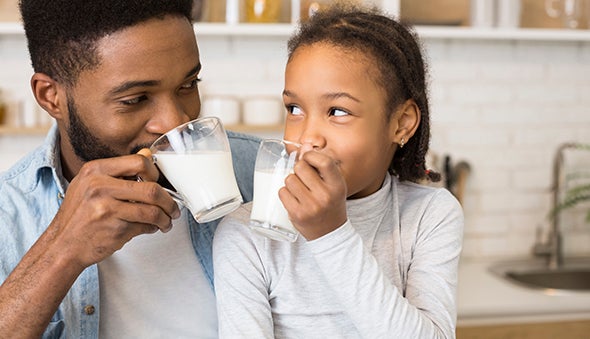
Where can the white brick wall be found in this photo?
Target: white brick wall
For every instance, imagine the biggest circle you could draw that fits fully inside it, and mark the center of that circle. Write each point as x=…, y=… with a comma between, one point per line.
x=505, y=107
x=502, y=106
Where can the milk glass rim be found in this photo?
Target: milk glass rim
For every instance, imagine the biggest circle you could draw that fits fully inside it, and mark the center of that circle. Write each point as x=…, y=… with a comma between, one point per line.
x=288, y=142
x=217, y=122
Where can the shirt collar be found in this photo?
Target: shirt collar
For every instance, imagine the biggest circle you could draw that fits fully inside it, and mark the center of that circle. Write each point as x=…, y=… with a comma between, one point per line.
x=371, y=205
x=51, y=159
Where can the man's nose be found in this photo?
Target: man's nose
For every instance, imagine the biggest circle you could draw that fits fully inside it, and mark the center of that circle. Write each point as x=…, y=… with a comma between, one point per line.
x=169, y=115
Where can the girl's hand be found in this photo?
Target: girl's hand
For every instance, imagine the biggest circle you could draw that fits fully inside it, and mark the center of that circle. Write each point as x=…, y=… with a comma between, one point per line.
x=315, y=195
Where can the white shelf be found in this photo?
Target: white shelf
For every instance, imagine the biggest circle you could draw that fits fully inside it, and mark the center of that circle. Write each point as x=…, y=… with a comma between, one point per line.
x=11, y=28
x=468, y=33
x=426, y=32
x=42, y=130
x=10, y=130
x=201, y=29
x=261, y=30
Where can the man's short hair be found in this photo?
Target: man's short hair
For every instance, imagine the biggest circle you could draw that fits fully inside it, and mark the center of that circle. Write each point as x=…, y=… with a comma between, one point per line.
x=62, y=35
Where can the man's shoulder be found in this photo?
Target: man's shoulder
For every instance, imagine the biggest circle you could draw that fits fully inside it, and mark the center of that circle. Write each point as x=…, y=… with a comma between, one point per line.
x=27, y=167
x=18, y=187
x=243, y=145
x=236, y=138
x=23, y=170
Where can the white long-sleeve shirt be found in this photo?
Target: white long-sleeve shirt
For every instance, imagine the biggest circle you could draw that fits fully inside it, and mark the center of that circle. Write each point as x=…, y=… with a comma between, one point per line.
x=389, y=272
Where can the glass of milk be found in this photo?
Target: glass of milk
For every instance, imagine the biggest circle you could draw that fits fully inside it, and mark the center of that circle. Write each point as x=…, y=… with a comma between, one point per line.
x=195, y=158
x=274, y=162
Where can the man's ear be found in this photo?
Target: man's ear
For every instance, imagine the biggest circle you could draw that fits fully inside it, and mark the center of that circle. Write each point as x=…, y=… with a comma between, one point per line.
x=49, y=94
x=408, y=120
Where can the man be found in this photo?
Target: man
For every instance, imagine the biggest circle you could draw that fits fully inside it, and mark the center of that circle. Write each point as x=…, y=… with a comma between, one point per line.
x=115, y=75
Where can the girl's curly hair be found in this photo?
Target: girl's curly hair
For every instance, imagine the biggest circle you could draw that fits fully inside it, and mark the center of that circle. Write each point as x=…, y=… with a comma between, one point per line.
x=396, y=51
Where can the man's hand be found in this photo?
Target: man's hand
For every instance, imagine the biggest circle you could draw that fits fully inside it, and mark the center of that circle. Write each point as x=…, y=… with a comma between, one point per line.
x=100, y=213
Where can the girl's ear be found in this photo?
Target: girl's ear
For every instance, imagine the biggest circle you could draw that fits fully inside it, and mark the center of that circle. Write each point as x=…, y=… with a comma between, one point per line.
x=408, y=120
x=49, y=94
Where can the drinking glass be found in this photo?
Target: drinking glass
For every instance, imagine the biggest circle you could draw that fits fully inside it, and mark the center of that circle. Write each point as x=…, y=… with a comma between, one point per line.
x=196, y=159
x=274, y=161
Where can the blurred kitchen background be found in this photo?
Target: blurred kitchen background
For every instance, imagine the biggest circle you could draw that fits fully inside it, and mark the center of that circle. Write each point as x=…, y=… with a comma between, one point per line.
x=509, y=80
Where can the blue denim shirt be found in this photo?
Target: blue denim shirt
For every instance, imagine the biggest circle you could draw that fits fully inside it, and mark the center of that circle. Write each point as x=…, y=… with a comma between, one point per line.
x=30, y=195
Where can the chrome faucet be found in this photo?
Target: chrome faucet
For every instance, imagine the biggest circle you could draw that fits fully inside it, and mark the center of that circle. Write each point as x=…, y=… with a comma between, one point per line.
x=552, y=248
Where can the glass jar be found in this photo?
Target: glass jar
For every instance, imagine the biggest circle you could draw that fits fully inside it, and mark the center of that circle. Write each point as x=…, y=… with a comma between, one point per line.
x=309, y=7
x=258, y=11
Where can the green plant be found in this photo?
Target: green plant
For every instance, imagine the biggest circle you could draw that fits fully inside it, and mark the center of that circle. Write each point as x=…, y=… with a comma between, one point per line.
x=573, y=197
x=577, y=194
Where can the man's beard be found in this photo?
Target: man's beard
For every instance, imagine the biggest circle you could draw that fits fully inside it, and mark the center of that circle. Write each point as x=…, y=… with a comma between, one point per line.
x=87, y=146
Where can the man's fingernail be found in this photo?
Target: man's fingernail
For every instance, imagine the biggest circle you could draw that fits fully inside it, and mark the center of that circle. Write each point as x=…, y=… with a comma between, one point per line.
x=145, y=152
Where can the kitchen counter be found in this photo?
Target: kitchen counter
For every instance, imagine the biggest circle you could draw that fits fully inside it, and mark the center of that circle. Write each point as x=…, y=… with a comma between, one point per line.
x=484, y=298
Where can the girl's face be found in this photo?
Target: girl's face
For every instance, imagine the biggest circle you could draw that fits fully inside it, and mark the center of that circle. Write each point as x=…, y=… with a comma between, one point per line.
x=334, y=104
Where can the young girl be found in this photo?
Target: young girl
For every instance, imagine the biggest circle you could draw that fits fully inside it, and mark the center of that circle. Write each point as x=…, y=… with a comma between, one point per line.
x=378, y=252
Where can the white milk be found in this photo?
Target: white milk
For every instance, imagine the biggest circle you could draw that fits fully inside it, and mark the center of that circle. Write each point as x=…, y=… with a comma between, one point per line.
x=204, y=178
x=268, y=212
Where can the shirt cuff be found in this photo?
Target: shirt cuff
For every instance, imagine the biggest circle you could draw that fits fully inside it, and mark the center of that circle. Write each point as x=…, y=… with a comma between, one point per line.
x=331, y=240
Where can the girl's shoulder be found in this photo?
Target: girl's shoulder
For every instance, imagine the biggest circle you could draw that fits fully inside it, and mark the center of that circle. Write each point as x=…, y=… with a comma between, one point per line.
x=427, y=209
x=424, y=199
x=411, y=190
x=236, y=220
x=234, y=229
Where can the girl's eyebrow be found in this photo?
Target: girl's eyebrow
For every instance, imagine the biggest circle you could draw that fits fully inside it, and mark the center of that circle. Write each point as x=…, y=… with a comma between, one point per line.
x=334, y=95
x=340, y=95
x=194, y=71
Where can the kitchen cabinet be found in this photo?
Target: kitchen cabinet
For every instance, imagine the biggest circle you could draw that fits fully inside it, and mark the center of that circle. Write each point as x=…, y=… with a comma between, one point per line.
x=218, y=30
x=425, y=32
x=42, y=130
x=390, y=6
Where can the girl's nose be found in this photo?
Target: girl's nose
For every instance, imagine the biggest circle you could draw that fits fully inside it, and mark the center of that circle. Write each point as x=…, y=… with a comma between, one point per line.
x=312, y=136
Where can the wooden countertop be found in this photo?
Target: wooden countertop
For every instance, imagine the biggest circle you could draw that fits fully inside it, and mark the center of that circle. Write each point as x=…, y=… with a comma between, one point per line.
x=549, y=330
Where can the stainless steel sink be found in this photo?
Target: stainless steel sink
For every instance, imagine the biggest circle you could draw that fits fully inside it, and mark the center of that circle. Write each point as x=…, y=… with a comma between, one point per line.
x=574, y=275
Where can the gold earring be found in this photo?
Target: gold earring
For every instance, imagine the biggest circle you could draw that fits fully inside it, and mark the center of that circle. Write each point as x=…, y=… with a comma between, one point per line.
x=402, y=143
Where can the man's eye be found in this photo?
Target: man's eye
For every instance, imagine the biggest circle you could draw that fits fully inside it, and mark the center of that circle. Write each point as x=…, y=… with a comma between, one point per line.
x=338, y=112
x=294, y=110
x=191, y=84
x=134, y=101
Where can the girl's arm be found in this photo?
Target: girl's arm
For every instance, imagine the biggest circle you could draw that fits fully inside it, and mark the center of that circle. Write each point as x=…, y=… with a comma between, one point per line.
x=378, y=307
x=242, y=300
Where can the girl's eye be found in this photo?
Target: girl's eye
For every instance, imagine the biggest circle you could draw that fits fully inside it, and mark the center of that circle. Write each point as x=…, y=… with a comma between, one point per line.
x=191, y=84
x=294, y=110
x=134, y=101
x=338, y=112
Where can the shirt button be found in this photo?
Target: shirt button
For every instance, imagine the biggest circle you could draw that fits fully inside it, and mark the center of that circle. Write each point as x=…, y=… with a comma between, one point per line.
x=60, y=196
x=89, y=309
